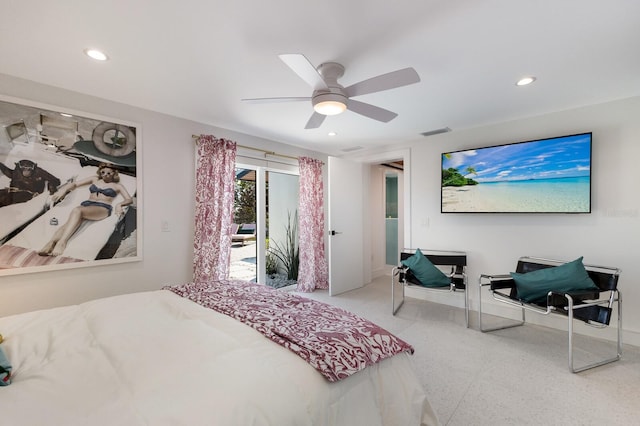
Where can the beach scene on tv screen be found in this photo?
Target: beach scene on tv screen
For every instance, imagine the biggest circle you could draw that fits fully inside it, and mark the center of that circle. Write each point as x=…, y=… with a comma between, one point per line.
x=544, y=176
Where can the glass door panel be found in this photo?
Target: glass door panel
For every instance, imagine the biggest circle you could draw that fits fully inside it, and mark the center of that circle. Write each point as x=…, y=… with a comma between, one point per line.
x=243, y=240
x=281, y=259
x=391, y=219
x=264, y=248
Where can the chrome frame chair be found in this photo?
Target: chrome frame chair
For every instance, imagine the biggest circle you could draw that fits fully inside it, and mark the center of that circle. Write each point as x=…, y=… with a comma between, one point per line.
x=455, y=260
x=589, y=307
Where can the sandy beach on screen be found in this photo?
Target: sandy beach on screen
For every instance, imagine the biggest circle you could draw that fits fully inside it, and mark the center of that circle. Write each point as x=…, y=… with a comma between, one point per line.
x=531, y=196
x=461, y=198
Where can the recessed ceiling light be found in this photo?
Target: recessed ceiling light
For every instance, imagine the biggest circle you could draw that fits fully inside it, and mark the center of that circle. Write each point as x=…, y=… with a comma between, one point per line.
x=332, y=133
x=65, y=114
x=525, y=80
x=96, y=54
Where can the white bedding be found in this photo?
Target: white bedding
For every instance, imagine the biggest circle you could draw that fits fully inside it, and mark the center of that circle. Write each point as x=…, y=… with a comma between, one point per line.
x=154, y=358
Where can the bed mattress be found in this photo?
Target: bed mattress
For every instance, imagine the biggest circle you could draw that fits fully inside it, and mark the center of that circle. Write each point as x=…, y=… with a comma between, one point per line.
x=155, y=358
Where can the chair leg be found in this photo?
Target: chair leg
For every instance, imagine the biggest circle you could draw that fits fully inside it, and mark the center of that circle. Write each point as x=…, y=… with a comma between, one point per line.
x=395, y=309
x=466, y=304
x=484, y=330
x=604, y=361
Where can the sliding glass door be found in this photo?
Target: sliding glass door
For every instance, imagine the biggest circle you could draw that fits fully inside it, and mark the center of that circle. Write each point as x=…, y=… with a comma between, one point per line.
x=265, y=245
x=244, y=237
x=281, y=267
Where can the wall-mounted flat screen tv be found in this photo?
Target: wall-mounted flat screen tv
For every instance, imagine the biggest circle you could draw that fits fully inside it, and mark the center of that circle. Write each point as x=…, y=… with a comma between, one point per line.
x=541, y=176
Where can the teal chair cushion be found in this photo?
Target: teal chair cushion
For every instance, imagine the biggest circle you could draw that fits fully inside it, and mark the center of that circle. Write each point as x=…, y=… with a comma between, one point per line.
x=425, y=271
x=249, y=229
x=572, y=276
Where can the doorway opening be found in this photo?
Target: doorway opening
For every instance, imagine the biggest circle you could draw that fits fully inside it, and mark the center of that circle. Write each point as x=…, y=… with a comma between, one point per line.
x=244, y=232
x=392, y=253
x=388, y=190
x=265, y=249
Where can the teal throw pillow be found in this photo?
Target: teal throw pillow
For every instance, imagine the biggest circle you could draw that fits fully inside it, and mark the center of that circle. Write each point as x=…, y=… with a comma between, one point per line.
x=572, y=276
x=425, y=271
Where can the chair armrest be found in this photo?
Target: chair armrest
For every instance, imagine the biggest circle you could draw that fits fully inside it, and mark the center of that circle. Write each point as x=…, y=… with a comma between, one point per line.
x=399, y=269
x=498, y=281
x=559, y=299
x=577, y=296
x=495, y=277
x=592, y=311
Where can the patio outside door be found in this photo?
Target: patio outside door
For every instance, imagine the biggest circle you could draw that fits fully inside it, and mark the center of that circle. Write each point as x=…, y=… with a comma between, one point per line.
x=244, y=247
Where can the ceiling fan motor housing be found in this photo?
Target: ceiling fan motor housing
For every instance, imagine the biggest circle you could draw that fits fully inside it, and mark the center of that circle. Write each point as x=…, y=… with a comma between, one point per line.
x=331, y=72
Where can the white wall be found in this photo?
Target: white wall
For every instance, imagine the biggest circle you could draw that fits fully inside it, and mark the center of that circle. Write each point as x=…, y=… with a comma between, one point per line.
x=609, y=236
x=167, y=194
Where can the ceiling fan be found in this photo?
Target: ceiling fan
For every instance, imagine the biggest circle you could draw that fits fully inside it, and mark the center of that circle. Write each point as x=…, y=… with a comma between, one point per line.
x=330, y=98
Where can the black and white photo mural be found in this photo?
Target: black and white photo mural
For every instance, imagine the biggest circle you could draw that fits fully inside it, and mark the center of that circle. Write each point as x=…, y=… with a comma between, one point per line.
x=69, y=190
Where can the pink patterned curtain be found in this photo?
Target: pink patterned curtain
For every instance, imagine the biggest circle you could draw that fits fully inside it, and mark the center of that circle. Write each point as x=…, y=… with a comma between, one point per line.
x=313, y=271
x=215, y=180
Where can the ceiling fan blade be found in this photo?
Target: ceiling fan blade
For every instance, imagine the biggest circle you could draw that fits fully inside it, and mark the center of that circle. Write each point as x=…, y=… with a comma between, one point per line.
x=301, y=66
x=315, y=121
x=391, y=80
x=371, y=111
x=270, y=100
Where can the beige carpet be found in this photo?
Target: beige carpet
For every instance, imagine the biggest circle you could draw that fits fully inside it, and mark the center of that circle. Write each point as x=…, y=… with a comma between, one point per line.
x=511, y=377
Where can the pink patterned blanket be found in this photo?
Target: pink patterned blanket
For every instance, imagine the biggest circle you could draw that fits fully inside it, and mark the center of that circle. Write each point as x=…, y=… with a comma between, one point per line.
x=335, y=342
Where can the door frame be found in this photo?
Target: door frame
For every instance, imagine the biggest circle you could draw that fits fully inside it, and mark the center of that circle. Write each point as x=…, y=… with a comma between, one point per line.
x=377, y=158
x=261, y=167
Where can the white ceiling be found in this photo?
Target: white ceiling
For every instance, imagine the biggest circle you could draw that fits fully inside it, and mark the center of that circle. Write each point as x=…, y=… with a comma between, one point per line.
x=197, y=58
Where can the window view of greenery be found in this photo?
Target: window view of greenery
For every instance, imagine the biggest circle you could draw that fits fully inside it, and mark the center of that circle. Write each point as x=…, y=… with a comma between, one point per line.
x=245, y=202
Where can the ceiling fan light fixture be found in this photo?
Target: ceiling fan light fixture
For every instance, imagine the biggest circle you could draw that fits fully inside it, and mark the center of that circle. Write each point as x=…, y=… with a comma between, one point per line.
x=330, y=108
x=329, y=104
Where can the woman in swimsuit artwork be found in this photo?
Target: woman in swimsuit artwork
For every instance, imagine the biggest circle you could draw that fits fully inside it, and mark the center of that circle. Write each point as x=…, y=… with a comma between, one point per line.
x=104, y=187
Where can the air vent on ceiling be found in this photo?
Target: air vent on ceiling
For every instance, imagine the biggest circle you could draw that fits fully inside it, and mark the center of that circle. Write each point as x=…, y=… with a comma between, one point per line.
x=355, y=148
x=436, y=131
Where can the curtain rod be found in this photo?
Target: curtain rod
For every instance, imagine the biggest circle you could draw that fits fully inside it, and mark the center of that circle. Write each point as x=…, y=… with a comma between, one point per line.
x=257, y=149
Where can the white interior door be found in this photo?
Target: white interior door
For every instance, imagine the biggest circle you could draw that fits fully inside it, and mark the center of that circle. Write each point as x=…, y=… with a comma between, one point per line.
x=345, y=194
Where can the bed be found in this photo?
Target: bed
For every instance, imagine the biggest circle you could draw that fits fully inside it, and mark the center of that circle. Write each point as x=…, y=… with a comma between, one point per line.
x=165, y=357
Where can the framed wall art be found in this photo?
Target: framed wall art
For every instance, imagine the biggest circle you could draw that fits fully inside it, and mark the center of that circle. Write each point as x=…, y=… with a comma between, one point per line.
x=69, y=189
